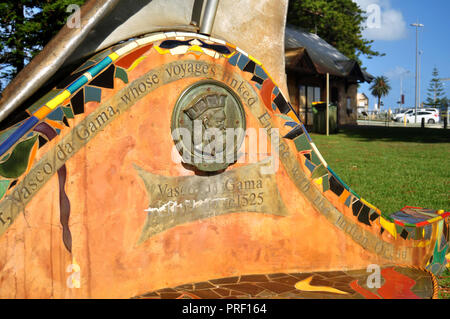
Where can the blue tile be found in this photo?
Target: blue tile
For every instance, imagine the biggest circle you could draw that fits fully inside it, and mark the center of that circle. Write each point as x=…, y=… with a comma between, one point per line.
x=260, y=72
x=233, y=60
x=243, y=60
x=309, y=165
x=56, y=115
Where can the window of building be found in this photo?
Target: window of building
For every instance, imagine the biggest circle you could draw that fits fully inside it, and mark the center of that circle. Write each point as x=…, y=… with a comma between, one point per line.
x=307, y=95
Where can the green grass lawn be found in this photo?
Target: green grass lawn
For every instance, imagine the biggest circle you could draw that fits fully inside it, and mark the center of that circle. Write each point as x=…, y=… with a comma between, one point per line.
x=393, y=167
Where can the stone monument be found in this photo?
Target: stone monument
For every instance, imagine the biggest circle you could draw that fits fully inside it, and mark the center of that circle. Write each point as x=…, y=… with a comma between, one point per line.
x=167, y=162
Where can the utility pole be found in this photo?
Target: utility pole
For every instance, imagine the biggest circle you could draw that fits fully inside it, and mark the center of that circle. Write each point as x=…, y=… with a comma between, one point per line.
x=417, y=25
x=418, y=78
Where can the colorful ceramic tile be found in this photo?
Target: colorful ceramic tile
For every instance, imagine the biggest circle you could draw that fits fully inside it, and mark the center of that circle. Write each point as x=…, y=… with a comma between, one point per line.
x=356, y=207
x=309, y=165
x=258, y=80
x=319, y=171
x=348, y=201
x=122, y=75
x=56, y=115
x=234, y=59
x=314, y=158
x=243, y=60
x=4, y=186
x=250, y=67
x=68, y=112
x=363, y=216
x=92, y=94
x=281, y=104
x=325, y=183
x=302, y=143
x=126, y=61
x=105, y=79
x=335, y=186
x=17, y=163
x=260, y=72
x=78, y=103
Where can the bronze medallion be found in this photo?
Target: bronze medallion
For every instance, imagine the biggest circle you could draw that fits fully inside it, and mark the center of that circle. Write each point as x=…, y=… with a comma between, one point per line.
x=208, y=125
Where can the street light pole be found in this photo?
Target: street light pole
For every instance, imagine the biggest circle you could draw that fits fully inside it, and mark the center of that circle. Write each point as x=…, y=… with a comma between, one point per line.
x=417, y=25
x=418, y=78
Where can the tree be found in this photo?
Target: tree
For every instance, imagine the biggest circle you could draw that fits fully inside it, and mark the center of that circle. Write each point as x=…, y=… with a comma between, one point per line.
x=26, y=26
x=380, y=88
x=339, y=22
x=435, y=96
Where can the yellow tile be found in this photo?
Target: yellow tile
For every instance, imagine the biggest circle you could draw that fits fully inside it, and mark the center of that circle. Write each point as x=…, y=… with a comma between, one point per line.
x=255, y=60
x=390, y=227
x=58, y=100
x=113, y=56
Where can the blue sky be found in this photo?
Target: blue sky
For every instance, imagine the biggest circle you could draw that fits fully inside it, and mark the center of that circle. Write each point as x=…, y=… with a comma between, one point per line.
x=397, y=39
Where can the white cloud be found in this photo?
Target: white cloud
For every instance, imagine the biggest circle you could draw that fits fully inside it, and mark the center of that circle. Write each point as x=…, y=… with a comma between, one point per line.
x=397, y=72
x=384, y=22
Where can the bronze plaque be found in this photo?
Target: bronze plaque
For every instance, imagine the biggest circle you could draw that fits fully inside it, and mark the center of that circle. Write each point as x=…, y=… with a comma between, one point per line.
x=208, y=125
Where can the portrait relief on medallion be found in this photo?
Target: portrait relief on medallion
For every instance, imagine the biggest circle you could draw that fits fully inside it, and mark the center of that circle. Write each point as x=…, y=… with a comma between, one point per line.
x=208, y=126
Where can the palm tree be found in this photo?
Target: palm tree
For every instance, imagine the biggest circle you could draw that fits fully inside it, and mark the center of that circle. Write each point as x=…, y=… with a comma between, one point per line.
x=380, y=87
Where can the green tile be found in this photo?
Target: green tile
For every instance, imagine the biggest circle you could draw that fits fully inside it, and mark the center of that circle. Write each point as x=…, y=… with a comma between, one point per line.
x=325, y=183
x=315, y=159
x=68, y=112
x=319, y=172
x=122, y=74
x=302, y=143
x=17, y=163
x=4, y=185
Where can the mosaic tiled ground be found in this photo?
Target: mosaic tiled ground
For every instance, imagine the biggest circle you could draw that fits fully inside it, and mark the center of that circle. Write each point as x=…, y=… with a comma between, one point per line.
x=396, y=283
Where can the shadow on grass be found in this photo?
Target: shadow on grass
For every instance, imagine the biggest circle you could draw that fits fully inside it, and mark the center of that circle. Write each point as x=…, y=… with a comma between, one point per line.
x=397, y=134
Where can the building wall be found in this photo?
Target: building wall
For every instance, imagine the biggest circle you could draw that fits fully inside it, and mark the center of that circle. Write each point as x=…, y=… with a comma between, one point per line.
x=338, y=95
x=347, y=113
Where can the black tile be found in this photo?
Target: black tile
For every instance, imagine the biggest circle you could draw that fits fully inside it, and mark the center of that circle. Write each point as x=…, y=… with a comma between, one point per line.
x=356, y=207
x=171, y=44
x=282, y=104
x=335, y=186
x=78, y=103
x=42, y=141
x=404, y=234
x=363, y=216
x=13, y=184
x=257, y=79
x=66, y=123
x=297, y=131
x=216, y=47
x=105, y=79
x=374, y=216
x=250, y=67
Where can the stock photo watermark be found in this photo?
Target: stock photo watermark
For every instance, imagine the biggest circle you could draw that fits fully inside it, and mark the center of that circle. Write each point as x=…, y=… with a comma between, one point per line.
x=74, y=279
x=373, y=16
x=74, y=20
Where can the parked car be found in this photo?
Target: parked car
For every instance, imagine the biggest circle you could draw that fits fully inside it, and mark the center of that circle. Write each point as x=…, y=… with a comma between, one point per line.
x=430, y=109
x=400, y=115
x=429, y=116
